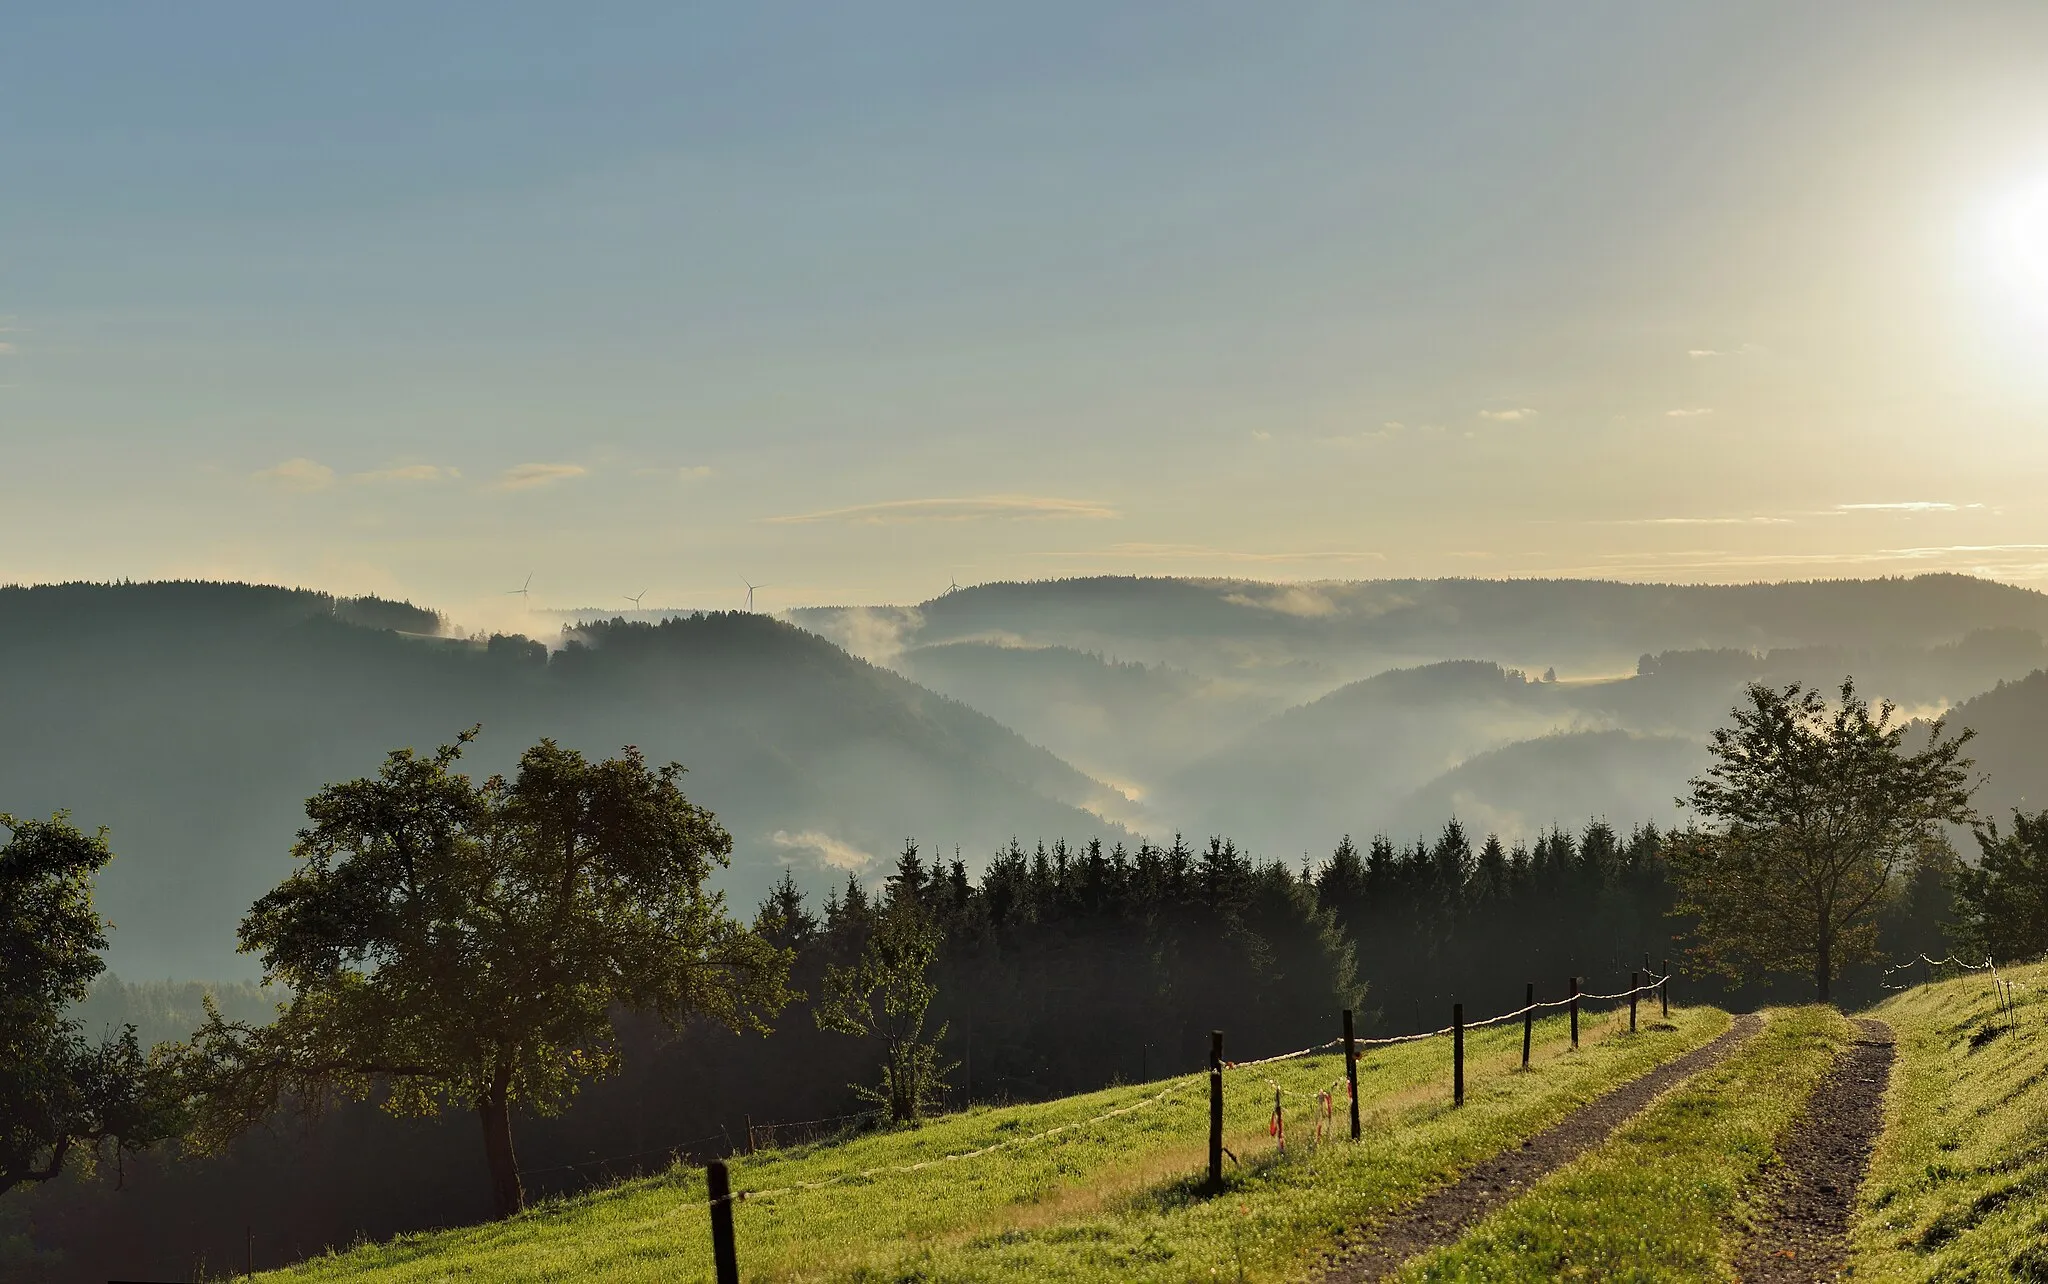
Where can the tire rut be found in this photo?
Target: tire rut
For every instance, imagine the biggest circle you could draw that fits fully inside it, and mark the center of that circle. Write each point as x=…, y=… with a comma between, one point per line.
x=1804, y=1233
x=1445, y=1214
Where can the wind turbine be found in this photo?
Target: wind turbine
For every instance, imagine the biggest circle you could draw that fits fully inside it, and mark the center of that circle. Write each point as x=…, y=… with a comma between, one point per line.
x=952, y=585
x=521, y=592
x=751, y=586
x=634, y=598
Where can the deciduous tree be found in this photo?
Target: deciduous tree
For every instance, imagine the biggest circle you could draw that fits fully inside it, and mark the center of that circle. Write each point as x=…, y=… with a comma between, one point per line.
x=1808, y=814
x=468, y=944
x=61, y=1096
x=2002, y=904
x=884, y=996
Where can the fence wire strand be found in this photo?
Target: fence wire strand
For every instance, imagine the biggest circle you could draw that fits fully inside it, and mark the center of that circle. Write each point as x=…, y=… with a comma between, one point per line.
x=1320, y=1099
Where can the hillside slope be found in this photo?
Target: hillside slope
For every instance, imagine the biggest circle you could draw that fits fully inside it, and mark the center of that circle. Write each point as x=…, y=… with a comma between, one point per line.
x=194, y=720
x=1103, y=1186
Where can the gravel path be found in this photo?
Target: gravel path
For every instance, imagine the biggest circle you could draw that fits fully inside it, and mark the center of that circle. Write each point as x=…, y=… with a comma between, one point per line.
x=1804, y=1233
x=1446, y=1214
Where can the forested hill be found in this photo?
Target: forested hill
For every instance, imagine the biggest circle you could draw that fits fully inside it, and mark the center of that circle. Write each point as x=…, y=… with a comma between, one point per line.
x=1326, y=633
x=195, y=719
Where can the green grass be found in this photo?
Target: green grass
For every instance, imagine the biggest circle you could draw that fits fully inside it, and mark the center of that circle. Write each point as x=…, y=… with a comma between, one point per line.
x=1667, y=1197
x=1959, y=1184
x=1115, y=1200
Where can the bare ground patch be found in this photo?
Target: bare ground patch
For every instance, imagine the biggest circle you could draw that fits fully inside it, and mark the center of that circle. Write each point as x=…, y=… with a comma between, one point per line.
x=1803, y=1234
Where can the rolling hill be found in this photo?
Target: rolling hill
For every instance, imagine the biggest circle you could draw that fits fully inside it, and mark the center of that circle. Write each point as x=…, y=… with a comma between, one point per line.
x=194, y=720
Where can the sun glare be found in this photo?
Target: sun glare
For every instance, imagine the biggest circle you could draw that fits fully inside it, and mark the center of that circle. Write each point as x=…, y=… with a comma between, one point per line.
x=2018, y=245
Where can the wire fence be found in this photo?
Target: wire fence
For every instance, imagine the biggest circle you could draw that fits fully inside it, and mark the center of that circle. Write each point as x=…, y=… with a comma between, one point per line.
x=1322, y=1099
x=2004, y=989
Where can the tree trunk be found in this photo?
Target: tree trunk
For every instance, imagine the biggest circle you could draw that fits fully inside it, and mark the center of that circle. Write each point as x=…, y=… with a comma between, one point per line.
x=495, y=1110
x=1824, y=965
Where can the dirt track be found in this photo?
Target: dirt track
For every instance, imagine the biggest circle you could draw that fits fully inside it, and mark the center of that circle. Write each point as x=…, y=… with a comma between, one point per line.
x=1803, y=1235
x=1446, y=1214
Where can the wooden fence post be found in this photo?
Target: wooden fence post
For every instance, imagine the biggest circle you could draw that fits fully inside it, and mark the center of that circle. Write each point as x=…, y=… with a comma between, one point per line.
x=725, y=1257
x=1635, y=983
x=1215, y=1107
x=1351, y=1070
x=1664, y=990
x=1575, y=1013
x=1458, y=1054
x=1528, y=1022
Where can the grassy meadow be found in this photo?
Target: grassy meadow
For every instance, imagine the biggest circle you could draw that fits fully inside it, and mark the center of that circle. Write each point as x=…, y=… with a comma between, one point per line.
x=1115, y=1199
x=1958, y=1189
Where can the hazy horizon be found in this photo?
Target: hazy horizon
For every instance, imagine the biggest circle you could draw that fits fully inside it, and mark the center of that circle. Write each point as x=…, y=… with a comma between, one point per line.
x=854, y=305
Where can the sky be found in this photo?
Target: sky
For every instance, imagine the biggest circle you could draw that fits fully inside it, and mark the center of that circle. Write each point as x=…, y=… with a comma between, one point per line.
x=857, y=301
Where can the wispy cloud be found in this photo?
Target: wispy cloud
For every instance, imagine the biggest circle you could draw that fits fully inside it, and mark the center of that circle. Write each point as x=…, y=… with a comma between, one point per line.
x=826, y=849
x=1743, y=351
x=1757, y=520
x=1690, y=413
x=1386, y=432
x=686, y=473
x=1906, y=506
x=408, y=473
x=299, y=474
x=983, y=508
x=530, y=476
x=1515, y=415
x=2028, y=561
x=1207, y=553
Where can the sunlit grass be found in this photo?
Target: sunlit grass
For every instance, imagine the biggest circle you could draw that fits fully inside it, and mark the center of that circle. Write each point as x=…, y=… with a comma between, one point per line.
x=1116, y=1200
x=1959, y=1185
x=1667, y=1198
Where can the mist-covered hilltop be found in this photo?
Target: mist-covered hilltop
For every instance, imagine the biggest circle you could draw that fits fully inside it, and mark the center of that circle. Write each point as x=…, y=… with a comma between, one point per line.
x=1298, y=637
x=1285, y=714
x=195, y=719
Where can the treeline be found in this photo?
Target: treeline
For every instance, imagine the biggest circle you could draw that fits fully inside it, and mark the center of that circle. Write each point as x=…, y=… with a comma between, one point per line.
x=1065, y=967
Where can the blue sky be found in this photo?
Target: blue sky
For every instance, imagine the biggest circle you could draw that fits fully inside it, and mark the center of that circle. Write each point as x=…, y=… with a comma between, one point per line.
x=853, y=300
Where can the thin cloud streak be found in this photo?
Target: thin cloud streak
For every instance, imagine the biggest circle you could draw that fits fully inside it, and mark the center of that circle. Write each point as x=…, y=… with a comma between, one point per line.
x=1983, y=559
x=1204, y=552
x=981, y=508
x=1698, y=521
x=408, y=473
x=1907, y=506
x=530, y=476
